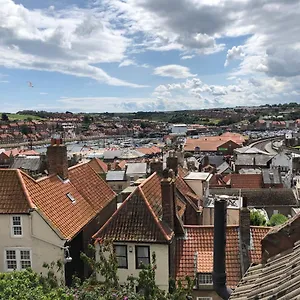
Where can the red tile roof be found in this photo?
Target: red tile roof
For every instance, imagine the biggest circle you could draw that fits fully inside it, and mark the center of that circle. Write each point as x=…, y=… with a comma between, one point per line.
x=246, y=181
x=139, y=217
x=198, y=244
x=149, y=151
x=13, y=195
x=50, y=195
x=98, y=165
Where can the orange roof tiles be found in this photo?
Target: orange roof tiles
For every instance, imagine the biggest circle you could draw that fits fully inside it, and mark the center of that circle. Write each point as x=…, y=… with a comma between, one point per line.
x=198, y=244
x=149, y=151
x=13, y=198
x=98, y=165
x=50, y=195
x=246, y=181
x=139, y=217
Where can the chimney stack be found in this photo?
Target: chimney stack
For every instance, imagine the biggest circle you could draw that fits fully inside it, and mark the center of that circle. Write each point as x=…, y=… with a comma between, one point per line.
x=245, y=235
x=219, y=269
x=172, y=162
x=57, y=158
x=168, y=198
x=156, y=165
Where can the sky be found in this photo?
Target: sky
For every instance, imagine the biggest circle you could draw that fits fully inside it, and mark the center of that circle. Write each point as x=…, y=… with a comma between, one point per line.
x=147, y=55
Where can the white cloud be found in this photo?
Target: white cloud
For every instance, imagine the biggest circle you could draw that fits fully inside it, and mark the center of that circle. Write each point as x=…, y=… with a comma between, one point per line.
x=234, y=53
x=127, y=62
x=184, y=57
x=70, y=41
x=175, y=71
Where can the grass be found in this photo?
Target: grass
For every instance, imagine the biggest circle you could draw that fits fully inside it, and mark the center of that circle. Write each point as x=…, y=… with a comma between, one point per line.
x=17, y=117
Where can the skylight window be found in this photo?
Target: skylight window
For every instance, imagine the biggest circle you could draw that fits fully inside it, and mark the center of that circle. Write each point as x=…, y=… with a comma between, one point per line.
x=71, y=198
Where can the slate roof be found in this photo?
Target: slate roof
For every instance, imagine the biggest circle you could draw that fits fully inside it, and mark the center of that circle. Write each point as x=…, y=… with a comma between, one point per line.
x=136, y=168
x=278, y=278
x=262, y=197
x=223, y=167
x=139, y=218
x=115, y=176
x=215, y=160
x=13, y=197
x=198, y=244
x=50, y=196
x=274, y=179
x=30, y=163
x=252, y=159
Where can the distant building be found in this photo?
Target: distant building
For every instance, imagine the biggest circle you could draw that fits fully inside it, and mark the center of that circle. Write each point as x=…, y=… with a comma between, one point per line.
x=180, y=129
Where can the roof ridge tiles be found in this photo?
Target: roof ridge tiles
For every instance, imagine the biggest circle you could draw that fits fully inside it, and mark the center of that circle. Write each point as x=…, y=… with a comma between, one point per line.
x=25, y=191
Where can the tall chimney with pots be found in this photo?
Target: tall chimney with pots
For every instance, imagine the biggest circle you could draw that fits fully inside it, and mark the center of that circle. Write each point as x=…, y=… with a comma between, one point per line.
x=57, y=158
x=168, y=198
x=245, y=235
x=172, y=162
x=219, y=268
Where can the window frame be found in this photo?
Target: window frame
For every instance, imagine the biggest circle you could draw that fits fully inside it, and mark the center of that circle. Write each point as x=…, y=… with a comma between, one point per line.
x=126, y=249
x=17, y=259
x=12, y=226
x=206, y=275
x=137, y=265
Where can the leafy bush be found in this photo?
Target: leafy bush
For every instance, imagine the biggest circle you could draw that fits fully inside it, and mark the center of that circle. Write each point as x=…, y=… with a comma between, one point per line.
x=257, y=218
x=277, y=219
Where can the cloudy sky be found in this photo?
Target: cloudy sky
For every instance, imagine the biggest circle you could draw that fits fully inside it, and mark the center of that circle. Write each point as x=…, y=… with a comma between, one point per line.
x=132, y=55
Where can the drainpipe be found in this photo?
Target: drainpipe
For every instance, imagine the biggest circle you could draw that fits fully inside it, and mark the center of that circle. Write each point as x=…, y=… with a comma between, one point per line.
x=219, y=273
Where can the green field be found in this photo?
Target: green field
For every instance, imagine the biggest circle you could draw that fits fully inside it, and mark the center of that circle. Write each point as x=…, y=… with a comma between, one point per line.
x=17, y=117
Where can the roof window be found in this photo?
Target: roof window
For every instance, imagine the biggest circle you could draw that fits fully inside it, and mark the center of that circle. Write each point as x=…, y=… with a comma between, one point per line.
x=71, y=198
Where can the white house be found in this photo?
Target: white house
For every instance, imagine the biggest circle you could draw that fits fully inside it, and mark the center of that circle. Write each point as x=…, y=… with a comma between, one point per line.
x=180, y=129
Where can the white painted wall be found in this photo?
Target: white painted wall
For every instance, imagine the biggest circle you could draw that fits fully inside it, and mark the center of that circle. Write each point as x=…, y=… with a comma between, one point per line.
x=197, y=186
x=179, y=128
x=162, y=262
x=44, y=243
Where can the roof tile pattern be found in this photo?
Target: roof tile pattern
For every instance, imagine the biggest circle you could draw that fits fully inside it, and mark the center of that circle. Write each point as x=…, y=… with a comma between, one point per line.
x=246, y=181
x=198, y=245
x=92, y=187
x=98, y=165
x=50, y=196
x=12, y=196
x=133, y=221
x=277, y=279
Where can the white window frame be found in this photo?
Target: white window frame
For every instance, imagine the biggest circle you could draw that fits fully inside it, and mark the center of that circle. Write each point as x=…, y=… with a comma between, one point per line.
x=205, y=277
x=12, y=226
x=18, y=258
x=204, y=298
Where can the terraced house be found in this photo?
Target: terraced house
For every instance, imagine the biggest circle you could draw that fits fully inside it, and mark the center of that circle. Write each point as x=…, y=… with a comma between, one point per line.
x=52, y=218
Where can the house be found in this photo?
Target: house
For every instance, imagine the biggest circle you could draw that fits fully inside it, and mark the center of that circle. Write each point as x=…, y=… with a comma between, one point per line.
x=272, y=200
x=148, y=221
x=99, y=166
x=213, y=144
x=158, y=217
x=276, y=276
x=117, y=180
x=52, y=218
x=6, y=157
x=32, y=165
x=252, y=161
x=136, y=170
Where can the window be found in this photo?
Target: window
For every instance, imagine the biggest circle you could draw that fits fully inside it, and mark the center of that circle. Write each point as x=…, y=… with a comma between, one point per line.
x=17, y=259
x=16, y=226
x=69, y=195
x=205, y=278
x=142, y=254
x=121, y=254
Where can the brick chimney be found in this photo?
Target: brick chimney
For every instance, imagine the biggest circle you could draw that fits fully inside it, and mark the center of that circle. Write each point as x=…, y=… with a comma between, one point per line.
x=172, y=162
x=245, y=235
x=168, y=198
x=156, y=165
x=57, y=158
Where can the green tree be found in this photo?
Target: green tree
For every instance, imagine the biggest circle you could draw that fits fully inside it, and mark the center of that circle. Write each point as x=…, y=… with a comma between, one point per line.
x=4, y=117
x=257, y=218
x=29, y=285
x=25, y=129
x=277, y=219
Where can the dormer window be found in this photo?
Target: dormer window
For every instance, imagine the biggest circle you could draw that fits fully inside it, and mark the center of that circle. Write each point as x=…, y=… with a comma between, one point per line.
x=69, y=195
x=16, y=226
x=205, y=279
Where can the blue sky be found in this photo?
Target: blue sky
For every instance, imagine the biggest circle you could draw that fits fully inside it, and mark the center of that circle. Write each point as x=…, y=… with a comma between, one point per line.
x=131, y=55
